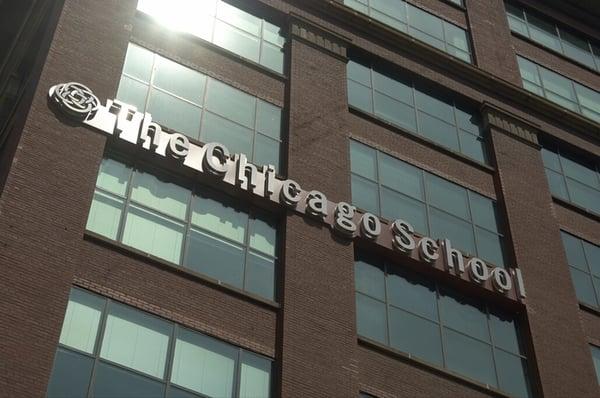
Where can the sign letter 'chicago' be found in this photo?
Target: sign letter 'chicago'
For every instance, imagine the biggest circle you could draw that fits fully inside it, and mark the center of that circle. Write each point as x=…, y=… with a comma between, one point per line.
x=124, y=122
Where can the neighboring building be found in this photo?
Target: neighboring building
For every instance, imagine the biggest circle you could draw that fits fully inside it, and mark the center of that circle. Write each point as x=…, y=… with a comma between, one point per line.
x=300, y=198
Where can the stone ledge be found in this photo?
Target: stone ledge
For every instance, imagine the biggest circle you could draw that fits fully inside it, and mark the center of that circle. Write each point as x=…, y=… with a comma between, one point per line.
x=521, y=129
x=319, y=37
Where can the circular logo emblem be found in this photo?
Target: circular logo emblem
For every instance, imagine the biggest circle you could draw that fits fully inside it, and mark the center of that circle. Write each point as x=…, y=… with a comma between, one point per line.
x=74, y=99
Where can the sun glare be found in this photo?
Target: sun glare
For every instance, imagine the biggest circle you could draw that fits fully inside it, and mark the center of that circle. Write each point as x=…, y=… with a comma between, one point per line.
x=179, y=15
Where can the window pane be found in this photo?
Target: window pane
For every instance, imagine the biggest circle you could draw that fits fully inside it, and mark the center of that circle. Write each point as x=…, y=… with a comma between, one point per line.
x=236, y=138
x=469, y=357
x=395, y=205
x=369, y=280
x=425, y=22
x=80, y=326
x=272, y=34
x=446, y=226
x=132, y=92
x=360, y=96
x=517, y=25
x=260, y=276
x=272, y=57
x=263, y=237
x=401, y=176
x=557, y=84
x=70, y=375
x=438, y=131
x=414, y=335
x=483, y=211
x=111, y=382
x=392, y=8
x=592, y=254
x=577, y=49
x=580, y=172
x=364, y=194
x=504, y=332
x=179, y=80
x=584, y=196
x=174, y=113
x=557, y=184
x=574, y=250
x=588, y=98
x=219, y=217
x=364, y=160
x=551, y=160
x=386, y=19
x=163, y=196
x=203, y=364
x=395, y=112
x=359, y=73
x=447, y=196
x=239, y=18
x=596, y=359
x=583, y=287
x=138, y=62
x=512, y=374
x=456, y=36
x=215, y=258
x=136, y=340
x=231, y=103
x=489, y=247
x=472, y=146
x=105, y=214
x=393, y=88
x=236, y=41
x=268, y=119
x=113, y=176
x=529, y=71
x=543, y=32
x=413, y=294
x=266, y=151
x=255, y=379
x=153, y=234
x=370, y=318
x=435, y=107
x=464, y=315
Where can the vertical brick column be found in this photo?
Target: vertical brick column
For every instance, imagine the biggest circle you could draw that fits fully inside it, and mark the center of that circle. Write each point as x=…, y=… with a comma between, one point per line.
x=317, y=327
x=492, y=39
x=53, y=173
x=559, y=344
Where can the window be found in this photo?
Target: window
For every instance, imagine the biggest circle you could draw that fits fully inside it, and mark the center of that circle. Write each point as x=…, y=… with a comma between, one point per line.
x=393, y=189
x=439, y=326
x=107, y=349
x=572, y=179
x=554, y=37
x=224, y=25
x=201, y=107
x=560, y=90
x=584, y=264
x=195, y=228
x=417, y=23
x=402, y=103
x=596, y=358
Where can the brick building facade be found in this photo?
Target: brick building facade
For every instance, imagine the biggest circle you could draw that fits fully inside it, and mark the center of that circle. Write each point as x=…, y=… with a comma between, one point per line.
x=474, y=121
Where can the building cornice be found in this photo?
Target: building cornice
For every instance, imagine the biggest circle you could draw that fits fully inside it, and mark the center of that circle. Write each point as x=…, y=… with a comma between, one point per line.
x=508, y=123
x=319, y=37
x=483, y=80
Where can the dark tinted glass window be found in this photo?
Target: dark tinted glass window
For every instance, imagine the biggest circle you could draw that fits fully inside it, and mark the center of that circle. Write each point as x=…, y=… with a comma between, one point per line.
x=197, y=228
x=439, y=326
x=394, y=189
x=584, y=262
x=402, y=103
x=571, y=178
x=140, y=355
